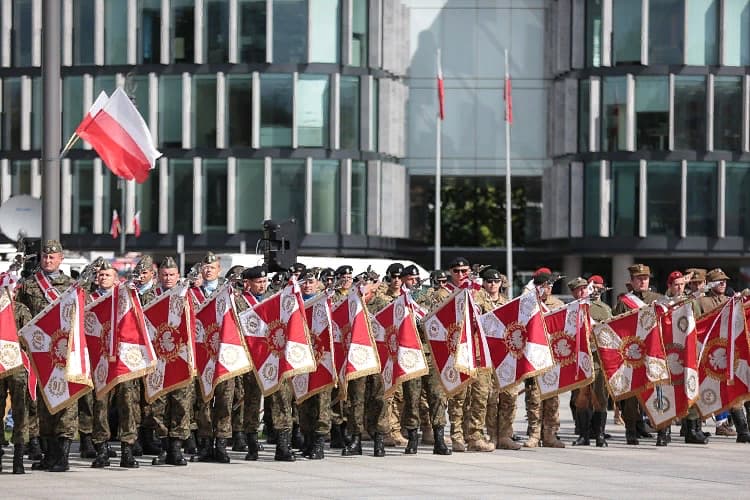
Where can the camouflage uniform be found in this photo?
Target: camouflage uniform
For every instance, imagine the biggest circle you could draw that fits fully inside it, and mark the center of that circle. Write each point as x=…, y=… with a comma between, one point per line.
x=17, y=385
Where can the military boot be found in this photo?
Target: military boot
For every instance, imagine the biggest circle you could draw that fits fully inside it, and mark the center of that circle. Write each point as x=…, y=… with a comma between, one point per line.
x=61, y=465
x=18, y=459
x=252, y=447
x=49, y=457
x=438, y=436
x=174, y=452
x=583, y=417
x=239, y=441
x=87, y=449
x=220, y=451
x=661, y=438
x=598, y=429
x=205, y=450
x=551, y=440
x=354, y=447
x=506, y=443
x=693, y=434
x=284, y=451
x=110, y=452
x=378, y=448
x=127, y=458
x=150, y=445
x=337, y=436
x=102, y=457
x=740, y=423
x=189, y=445
x=480, y=444
x=318, y=448
x=161, y=458
x=298, y=440
x=640, y=427
x=270, y=431
x=412, y=442
x=34, y=449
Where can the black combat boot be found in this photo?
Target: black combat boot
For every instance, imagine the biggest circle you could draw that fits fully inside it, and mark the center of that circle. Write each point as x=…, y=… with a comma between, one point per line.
x=412, y=442
x=239, y=442
x=318, y=447
x=110, y=452
x=18, y=459
x=354, y=448
x=174, y=452
x=50, y=456
x=640, y=428
x=220, y=451
x=34, y=449
x=597, y=429
x=63, y=448
x=700, y=428
x=102, y=457
x=298, y=440
x=583, y=416
x=740, y=423
x=309, y=440
x=438, y=435
x=127, y=458
x=87, y=449
x=661, y=438
x=269, y=430
x=693, y=434
x=337, y=436
x=378, y=447
x=190, y=446
x=284, y=451
x=252, y=447
x=161, y=458
x=205, y=451
x=149, y=443
x=631, y=434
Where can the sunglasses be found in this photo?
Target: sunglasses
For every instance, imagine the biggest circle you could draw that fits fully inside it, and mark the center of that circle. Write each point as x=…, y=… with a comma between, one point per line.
x=492, y=281
x=460, y=271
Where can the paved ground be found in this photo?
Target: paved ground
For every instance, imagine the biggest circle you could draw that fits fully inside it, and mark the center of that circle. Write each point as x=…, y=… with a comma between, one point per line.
x=719, y=470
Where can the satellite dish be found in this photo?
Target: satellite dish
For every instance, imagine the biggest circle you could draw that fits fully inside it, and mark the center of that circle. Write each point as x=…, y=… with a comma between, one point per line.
x=21, y=216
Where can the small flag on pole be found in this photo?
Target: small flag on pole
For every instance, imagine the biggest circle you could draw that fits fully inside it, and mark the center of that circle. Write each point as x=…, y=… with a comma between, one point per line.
x=137, y=224
x=508, y=99
x=114, y=230
x=440, y=87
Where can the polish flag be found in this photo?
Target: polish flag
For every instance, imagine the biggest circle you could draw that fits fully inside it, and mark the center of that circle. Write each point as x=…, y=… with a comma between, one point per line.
x=440, y=87
x=508, y=99
x=121, y=138
x=137, y=224
x=114, y=229
x=93, y=110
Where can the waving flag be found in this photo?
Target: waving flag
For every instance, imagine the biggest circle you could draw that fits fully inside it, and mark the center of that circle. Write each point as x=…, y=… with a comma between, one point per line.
x=10, y=351
x=114, y=228
x=318, y=316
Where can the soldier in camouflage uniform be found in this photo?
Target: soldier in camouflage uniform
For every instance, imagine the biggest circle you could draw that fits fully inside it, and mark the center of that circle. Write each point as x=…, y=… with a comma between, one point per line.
x=341, y=278
x=17, y=384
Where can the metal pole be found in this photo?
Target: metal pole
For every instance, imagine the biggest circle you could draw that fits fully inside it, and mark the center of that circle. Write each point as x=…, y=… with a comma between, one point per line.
x=124, y=223
x=51, y=117
x=438, y=155
x=508, y=207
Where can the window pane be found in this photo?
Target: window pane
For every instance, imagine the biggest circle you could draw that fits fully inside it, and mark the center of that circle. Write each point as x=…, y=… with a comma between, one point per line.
x=584, y=114
x=728, y=113
x=325, y=196
x=665, y=31
x=115, y=32
x=690, y=112
x=204, y=111
x=288, y=191
x=183, y=21
x=21, y=33
x=140, y=95
x=275, y=110
x=149, y=36
x=181, y=196
x=111, y=199
x=83, y=196
x=625, y=188
x=252, y=31
x=591, y=201
x=249, y=208
x=312, y=110
x=702, y=42
x=215, y=195
x=20, y=177
x=36, y=113
x=652, y=112
x=11, y=114
x=147, y=201
x=736, y=30
x=216, y=31
x=737, y=202
x=360, y=22
x=663, y=210
x=358, y=211
x=349, y=112
x=83, y=32
x=290, y=36
x=324, y=27
x=239, y=115
x=701, y=199
x=626, y=32
x=593, y=33
x=614, y=115
x=72, y=106
x=170, y=111
x=104, y=83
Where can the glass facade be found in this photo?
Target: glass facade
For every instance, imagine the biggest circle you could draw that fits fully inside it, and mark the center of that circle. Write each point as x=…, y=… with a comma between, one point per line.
x=170, y=111
x=625, y=181
x=276, y=110
x=290, y=36
x=216, y=31
x=702, y=179
x=183, y=30
x=728, y=113
x=652, y=112
x=584, y=115
x=702, y=27
x=737, y=185
x=614, y=113
x=239, y=110
x=359, y=198
x=252, y=31
x=204, y=111
x=180, y=201
x=115, y=32
x=666, y=26
x=324, y=31
x=149, y=31
x=312, y=109
x=663, y=198
x=83, y=32
x=83, y=196
x=325, y=196
x=288, y=191
x=215, y=195
x=690, y=112
x=250, y=182
x=593, y=39
x=350, y=123
x=736, y=30
x=591, y=202
x=626, y=32
x=360, y=32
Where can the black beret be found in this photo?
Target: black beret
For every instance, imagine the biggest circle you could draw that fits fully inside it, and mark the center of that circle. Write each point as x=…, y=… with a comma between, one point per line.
x=542, y=278
x=438, y=274
x=344, y=270
x=411, y=270
x=325, y=274
x=252, y=273
x=458, y=262
x=394, y=269
x=491, y=274
x=297, y=267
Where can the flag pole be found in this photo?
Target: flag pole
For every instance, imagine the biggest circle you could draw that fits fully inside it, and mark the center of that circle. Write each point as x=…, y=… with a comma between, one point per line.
x=123, y=226
x=438, y=173
x=508, y=207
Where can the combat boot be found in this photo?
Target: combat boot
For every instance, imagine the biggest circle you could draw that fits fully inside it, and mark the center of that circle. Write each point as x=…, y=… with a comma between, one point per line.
x=693, y=434
x=87, y=449
x=271, y=434
x=378, y=448
x=161, y=458
x=284, y=451
x=438, y=436
x=174, y=452
x=18, y=459
x=61, y=465
x=220, y=451
x=318, y=448
x=337, y=436
x=149, y=444
x=661, y=438
x=480, y=445
x=551, y=440
x=110, y=452
x=189, y=445
x=640, y=427
x=239, y=442
x=49, y=457
x=205, y=450
x=102, y=457
x=354, y=447
x=298, y=440
x=252, y=447
x=127, y=459
x=35, y=449
x=598, y=429
x=631, y=435
x=411, y=442
x=506, y=443
x=740, y=423
x=583, y=417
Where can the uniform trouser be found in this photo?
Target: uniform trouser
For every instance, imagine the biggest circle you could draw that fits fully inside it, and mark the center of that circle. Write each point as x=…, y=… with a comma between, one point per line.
x=501, y=410
x=63, y=424
x=100, y=431
x=215, y=417
x=468, y=408
x=238, y=405
x=366, y=401
x=33, y=414
x=593, y=396
x=338, y=415
x=252, y=398
x=171, y=414
x=540, y=412
x=194, y=396
x=86, y=413
x=424, y=409
x=281, y=407
x=394, y=405
x=127, y=401
x=631, y=413
x=435, y=400
x=315, y=413
x=19, y=398
x=5, y=384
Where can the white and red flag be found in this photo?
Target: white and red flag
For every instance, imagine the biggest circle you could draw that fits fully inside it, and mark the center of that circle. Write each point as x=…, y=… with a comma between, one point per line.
x=137, y=224
x=440, y=88
x=118, y=342
x=114, y=228
x=399, y=346
x=518, y=342
x=568, y=333
x=121, y=138
x=318, y=316
x=631, y=351
x=170, y=320
x=673, y=401
x=354, y=349
x=57, y=348
x=99, y=103
x=508, y=94
x=10, y=350
x=723, y=371
x=220, y=352
x=275, y=331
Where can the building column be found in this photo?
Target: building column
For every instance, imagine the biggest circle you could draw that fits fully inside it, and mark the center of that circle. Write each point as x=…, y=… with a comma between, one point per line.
x=572, y=268
x=620, y=275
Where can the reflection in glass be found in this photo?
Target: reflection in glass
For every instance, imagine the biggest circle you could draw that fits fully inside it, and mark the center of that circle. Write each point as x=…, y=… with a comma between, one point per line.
x=626, y=32
x=20, y=174
x=170, y=111
x=181, y=196
x=737, y=214
x=728, y=113
x=250, y=198
x=665, y=31
x=360, y=21
x=147, y=201
x=312, y=110
x=350, y=112
x=149, y=27
x=288, y=191
x=652, y=112
x=252, y=31
x=324, y=31
x=115, y=32
x=275, y=110
x=83, y=32
x=325, y=196
x=290, y=36
x=83, y=196
x=690, y=112
x=584, y=113
x=215, y=195
x=614, y=113
x=183, y=22
x=625, y=177
x=359, y=198
x=216, y=31
x=238, y=112
x=72, y=106
x=736, y=32
x=702, y=27
x=701, y=198
x=11, y=114
x=111, y=199
x=591, y=200
x=21, y=35
x=204, y=111
x=593, y=33
x=663, y=205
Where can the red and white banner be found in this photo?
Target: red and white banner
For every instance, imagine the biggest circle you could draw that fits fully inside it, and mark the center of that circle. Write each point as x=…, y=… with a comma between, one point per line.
x=354, y=349
x=318, y=316
x=723, y=371
x=119, y=346
x=170, y=320
x=277, y=338
x=673, y=401
x=114, y=228
x=10, y=350
x=57, y=348
x=440, y=88
x=568, y=333
x=220, y=352
x=121, y=138
x=631, y=351
x=399, y=346
x=137, y=224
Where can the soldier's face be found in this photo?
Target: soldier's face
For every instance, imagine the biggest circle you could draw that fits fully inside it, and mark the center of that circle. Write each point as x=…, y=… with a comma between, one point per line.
x=694, y=286
x=640, y=283
x=677, y=288
x=580, y=293
x=308, y=286
x=147, y=275
x=720, y=288
x=459, y=275
x=169, y=277
x=210, y=271
x=256, y=286
x=491, y=286
x=51, y=262
x=410, y=281
x=106, y=278
x=395, y=284
x=346, y=281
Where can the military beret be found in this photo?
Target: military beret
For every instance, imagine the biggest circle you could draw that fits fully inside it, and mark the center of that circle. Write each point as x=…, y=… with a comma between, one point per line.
x=105, y=266
x=542, y=278
x=597, y=280
x=438, y=274
x=394, y=269
x=577, y=283
x=146, y=262
x=297, y=267
x=639, y=270
x=234, y=271
x=490, y=274
x=168, y=263
x=307, y=275
x=716, y=275
x=410, y=270
x=674, y=276
x=210, y=258
x=542, y=270
x=344, y=270
x=252, y=273
x=325, y=274
x=458, y=262
x=698, y=273
x=52, y=246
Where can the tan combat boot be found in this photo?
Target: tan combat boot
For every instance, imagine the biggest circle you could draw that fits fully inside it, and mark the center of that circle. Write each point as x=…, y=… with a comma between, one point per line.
x=480, y=445
x=506, y=443
x=550, y=439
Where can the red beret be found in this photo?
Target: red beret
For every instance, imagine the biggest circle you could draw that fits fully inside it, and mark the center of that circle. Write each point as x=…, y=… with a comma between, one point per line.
x=596, y=279
x=542, y=270
x=674, y=275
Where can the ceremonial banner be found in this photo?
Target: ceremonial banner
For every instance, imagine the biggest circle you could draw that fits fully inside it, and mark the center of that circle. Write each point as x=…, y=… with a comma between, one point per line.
x=723, y=372
x=118, y=342
x=277, y=338
x=517, y=340
x=631, y=352
x=354, y=350
x=220, y=352
x=673, y=401
x=318, y=317
x=448, y=330
x=568, y=333
x=10, y=350
x=171, y=327
x=399, y=346
x=57, y=348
